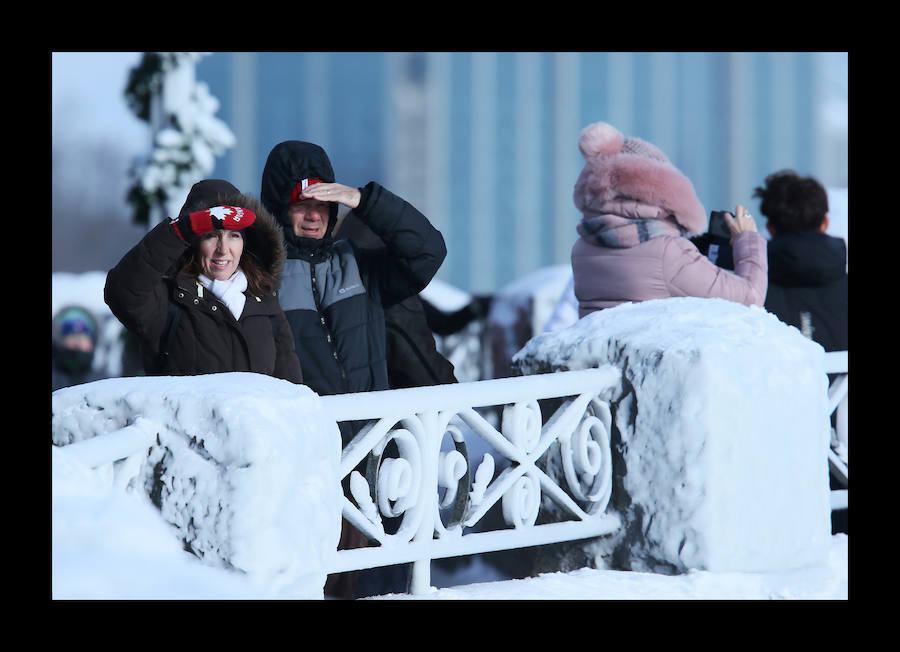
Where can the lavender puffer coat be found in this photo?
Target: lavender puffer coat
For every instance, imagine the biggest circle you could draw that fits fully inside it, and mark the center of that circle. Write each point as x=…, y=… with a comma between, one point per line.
x=666, y=266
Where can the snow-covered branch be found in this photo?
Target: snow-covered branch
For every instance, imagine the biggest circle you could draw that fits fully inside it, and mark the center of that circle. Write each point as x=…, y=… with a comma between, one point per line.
x=187, y=136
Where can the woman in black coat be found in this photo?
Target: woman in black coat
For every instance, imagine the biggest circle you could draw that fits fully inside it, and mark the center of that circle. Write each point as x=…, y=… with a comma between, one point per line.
x=199, y=290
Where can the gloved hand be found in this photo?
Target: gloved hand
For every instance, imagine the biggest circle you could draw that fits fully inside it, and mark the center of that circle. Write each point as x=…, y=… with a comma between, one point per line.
x=192, y=226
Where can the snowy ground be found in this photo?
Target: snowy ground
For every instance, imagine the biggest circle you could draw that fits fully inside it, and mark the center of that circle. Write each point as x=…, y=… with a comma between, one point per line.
x=824, y=582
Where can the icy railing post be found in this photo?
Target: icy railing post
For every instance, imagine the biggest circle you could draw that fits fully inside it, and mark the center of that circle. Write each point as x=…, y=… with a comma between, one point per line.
x=436, y=494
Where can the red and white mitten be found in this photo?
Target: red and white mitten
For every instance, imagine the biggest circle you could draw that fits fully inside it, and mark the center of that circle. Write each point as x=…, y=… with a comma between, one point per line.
x=192, y=226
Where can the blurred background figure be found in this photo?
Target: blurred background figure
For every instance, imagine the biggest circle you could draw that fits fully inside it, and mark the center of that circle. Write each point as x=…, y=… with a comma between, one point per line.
x=808, y=280
x=73, y=341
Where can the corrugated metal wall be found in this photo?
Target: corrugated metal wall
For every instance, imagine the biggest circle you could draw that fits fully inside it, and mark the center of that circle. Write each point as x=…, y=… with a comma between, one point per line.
x=485, y=143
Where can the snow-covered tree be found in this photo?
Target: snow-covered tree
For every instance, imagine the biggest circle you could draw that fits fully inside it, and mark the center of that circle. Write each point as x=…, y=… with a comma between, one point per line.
x=163, y=91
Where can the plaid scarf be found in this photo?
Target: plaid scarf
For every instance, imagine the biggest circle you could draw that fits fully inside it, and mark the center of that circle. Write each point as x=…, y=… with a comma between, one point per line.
x=610, y=230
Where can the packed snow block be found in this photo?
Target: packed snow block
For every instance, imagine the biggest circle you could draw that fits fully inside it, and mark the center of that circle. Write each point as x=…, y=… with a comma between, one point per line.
x=720, y=435
x=244, y=466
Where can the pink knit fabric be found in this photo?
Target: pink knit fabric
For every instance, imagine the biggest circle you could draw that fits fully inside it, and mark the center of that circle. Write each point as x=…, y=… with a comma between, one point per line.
x=619, y=168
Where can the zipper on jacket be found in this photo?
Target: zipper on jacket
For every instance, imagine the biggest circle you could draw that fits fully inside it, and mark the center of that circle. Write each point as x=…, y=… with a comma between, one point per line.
x=328, y=333
x=217, y=306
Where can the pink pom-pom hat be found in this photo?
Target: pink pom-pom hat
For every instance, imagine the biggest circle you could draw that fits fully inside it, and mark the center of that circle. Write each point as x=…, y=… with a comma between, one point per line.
x=619, y=169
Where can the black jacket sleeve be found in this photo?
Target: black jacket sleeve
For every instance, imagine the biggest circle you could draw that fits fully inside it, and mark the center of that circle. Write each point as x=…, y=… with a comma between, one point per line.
x=414, y=249
x=135, y=290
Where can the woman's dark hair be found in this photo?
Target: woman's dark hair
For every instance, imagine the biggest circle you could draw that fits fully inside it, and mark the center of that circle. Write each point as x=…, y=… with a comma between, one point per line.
x=791, y=202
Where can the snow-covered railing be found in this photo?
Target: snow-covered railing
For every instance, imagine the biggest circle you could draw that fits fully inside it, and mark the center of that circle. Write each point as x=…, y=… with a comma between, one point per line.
x=836, y=362
x=436, y=494
x=419, y=485
x=119, y=453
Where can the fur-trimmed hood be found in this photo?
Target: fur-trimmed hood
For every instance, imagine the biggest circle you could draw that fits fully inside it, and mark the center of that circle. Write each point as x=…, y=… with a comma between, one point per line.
x=631, y=178
x=262, y=239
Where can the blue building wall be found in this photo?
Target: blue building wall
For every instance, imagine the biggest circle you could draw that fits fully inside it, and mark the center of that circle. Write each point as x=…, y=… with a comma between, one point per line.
x=506, y=126
x=334, y=99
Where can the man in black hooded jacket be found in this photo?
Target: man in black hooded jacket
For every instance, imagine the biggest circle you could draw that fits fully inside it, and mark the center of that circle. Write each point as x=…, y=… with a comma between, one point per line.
x=333, y=292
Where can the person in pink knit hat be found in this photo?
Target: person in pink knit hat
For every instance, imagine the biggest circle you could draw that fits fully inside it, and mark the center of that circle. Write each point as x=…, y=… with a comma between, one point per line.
x=639, y=212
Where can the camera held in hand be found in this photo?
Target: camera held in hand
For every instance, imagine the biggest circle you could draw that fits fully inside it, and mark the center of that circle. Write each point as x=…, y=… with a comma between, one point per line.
x=715, y=244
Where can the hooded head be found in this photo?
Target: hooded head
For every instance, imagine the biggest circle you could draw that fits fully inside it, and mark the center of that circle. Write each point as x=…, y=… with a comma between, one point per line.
x=632, y=178
x=263, y=245
x=74, y=334
x=206, y=194
x=74, y=320
x=290, y=166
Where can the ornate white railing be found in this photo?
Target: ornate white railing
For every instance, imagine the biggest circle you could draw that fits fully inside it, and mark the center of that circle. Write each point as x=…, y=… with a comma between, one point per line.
x=419, y=502
x=437, y=494
x=837, y=363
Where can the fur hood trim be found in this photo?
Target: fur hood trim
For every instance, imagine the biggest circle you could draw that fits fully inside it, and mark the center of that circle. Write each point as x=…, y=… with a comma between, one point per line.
x=263, y=239
x=621, y=171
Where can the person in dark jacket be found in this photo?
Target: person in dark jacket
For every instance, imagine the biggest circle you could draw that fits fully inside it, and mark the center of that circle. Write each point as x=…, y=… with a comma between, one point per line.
x=200, y=291
x=335, y=293
x=808, y=283
x=411, y=352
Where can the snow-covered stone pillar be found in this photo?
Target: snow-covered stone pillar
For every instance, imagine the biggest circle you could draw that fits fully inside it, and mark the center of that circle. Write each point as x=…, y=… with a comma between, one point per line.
x=245, y=467
x=720, y=435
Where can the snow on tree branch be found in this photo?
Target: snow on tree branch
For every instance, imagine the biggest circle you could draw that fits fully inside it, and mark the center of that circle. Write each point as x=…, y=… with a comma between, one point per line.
x=163, y=91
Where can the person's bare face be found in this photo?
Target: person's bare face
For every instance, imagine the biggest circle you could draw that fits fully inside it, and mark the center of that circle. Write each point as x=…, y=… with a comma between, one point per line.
x=310, y=218
x=78, y=342
x=220, y=254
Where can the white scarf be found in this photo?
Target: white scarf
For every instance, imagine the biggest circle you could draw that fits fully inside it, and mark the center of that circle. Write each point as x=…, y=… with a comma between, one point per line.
x=230, y=291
